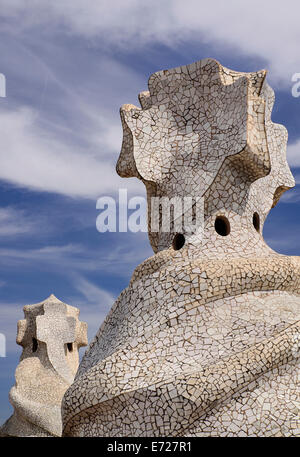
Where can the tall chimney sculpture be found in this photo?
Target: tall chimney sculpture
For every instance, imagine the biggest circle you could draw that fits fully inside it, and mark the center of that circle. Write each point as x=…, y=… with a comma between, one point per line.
x=205, y=339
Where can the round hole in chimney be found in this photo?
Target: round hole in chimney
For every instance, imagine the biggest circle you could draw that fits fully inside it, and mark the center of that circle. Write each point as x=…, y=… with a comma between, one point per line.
x=256, y=221
x=222, y=225
x=178, y=241
x=34, y=345
x=70, y=347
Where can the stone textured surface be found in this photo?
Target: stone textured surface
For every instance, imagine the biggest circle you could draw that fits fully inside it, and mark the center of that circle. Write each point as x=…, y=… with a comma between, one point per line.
x=50, y=335
x=205, y=339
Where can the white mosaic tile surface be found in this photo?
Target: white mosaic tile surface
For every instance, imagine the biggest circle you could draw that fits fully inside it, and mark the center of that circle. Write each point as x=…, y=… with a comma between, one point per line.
x=205, y=339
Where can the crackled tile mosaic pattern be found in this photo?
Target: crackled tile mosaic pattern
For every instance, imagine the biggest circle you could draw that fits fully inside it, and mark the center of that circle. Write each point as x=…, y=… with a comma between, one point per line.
x=205, y=339
x=50, y=335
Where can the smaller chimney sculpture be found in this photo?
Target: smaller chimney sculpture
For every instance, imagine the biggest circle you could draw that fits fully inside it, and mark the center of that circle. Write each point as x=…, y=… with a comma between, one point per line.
x=50, y=335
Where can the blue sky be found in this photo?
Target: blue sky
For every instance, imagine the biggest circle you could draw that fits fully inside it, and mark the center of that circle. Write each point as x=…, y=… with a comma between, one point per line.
x=69, y=66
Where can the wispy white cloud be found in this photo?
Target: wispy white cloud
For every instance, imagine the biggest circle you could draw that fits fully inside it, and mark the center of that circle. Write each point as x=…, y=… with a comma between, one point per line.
x=284, y=242
x=17, y=222
x=66, y=138
x=49, y=256
x=293, y=154
x=72, y=258
x=31, y=157
x=266, y=29
x=72, y=147
x=95, y=304
x=91, y=292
